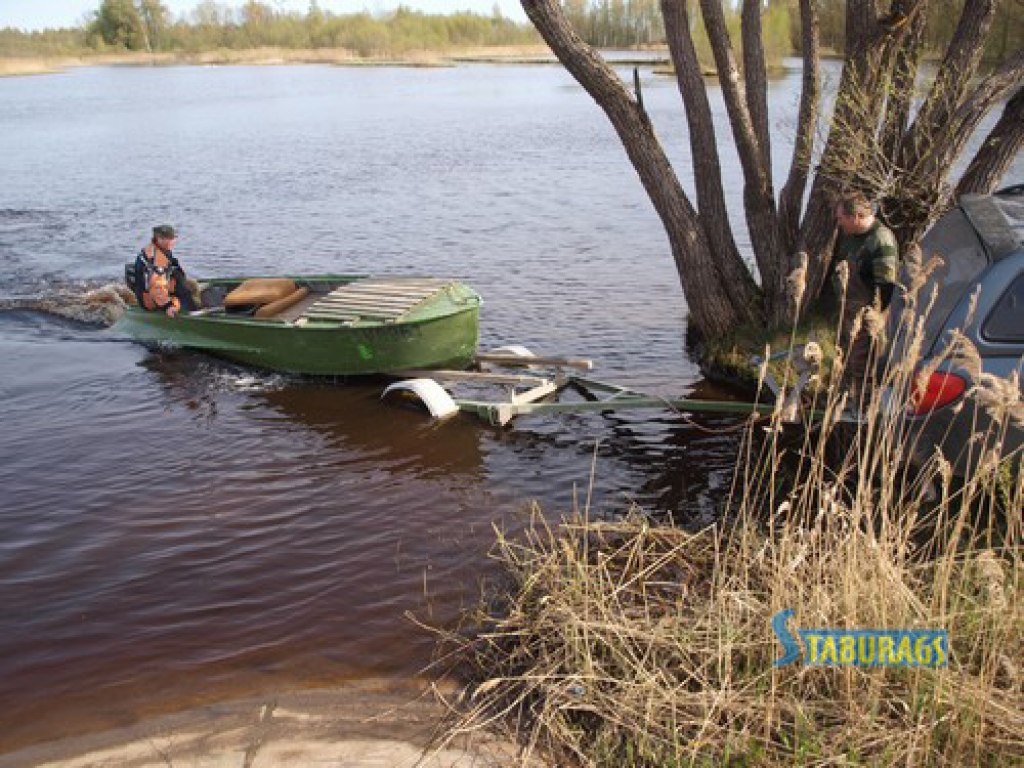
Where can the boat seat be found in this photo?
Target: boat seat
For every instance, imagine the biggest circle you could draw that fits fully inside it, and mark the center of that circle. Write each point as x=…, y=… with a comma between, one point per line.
x=275, y=308
x=260, y=291
x=297, y=310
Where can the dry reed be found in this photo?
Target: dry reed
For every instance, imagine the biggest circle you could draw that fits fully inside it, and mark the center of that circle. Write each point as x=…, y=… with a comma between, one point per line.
x=634, y=643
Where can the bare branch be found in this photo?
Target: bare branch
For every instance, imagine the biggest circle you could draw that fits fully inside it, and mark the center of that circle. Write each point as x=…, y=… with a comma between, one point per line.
x=923, y=187
x=998, y=151
x=901, y=94
x=990, y=91
x=954, y=74
x=734, y=92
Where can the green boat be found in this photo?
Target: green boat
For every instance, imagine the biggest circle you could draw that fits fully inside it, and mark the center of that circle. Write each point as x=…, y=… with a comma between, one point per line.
x=334, y=325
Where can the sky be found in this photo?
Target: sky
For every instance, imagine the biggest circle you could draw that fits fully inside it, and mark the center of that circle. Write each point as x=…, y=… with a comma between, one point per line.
x=52, y=14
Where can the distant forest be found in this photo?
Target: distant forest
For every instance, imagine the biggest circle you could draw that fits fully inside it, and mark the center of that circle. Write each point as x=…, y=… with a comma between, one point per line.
x=147, y=25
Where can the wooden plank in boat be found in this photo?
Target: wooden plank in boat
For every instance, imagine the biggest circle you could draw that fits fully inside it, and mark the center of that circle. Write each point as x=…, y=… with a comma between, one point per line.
x=333, y=317
x=402, y=282
x=384, y=293
x=382, y=300
x=387, y=288
x=368, y=305
x=387, y=295
x=342, y=306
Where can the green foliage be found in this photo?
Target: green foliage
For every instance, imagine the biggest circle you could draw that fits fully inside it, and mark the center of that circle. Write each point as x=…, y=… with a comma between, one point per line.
x=776, y=32
x=1005, y=37
x=118, y=24
x=155, y=19
x=729, y=358
x=147, y=25
x=52, y=42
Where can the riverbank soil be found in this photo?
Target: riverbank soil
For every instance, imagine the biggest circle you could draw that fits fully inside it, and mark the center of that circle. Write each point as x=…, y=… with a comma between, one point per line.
x=363, y=725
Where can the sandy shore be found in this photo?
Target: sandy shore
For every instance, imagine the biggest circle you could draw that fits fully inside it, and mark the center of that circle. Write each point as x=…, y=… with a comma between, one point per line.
x=363, y=725
x=11, y=67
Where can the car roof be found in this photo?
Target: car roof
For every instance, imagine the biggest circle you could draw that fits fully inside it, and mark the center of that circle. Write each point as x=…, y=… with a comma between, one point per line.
x=998, y=220
x=974, y=234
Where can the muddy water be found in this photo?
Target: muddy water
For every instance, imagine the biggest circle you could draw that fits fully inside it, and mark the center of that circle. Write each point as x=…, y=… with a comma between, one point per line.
x=175, y=529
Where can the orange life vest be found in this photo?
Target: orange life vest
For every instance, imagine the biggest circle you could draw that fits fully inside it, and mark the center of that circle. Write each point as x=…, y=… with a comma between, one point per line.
x=160, y=280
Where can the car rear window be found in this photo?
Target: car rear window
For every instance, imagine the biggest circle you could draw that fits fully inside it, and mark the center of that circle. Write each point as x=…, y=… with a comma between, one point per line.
x=1006, y=321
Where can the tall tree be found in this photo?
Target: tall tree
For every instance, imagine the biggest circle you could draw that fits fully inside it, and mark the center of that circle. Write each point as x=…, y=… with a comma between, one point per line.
x=871, y=143
x=117, y=23
x=154, y=16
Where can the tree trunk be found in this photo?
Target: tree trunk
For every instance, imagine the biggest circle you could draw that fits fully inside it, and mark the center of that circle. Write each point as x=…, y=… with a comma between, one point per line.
x=756, y=76
x=758, y=194
x=715, y=309
x=998, y=151
x=707, y=169
x=791, y=198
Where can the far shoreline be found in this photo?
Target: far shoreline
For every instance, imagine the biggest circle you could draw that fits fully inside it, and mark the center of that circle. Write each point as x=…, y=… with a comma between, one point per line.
x=47, y=65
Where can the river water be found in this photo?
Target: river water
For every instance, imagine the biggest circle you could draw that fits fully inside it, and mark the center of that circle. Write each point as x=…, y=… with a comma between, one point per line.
x=175, y=529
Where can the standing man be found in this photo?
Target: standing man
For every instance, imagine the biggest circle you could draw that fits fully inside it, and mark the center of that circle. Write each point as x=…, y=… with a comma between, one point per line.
x=160, y=282
x=871, y=254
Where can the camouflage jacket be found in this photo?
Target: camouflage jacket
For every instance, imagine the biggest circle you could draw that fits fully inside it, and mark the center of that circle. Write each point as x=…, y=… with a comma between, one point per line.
x=873, y=258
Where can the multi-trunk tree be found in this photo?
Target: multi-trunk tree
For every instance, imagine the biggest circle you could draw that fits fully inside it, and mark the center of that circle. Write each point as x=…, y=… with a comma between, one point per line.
x=135, y=25
x=889, y=135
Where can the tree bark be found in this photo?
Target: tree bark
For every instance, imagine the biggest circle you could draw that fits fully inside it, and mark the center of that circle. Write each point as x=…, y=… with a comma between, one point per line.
x=998, y=151
x=715, y=309
x=756, y=76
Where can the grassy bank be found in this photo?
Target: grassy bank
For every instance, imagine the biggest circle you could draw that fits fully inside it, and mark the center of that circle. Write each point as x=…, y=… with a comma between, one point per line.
x=637, y=643
x=731, y=359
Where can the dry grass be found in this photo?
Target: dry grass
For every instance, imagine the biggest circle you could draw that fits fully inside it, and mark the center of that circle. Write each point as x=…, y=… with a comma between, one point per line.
x=634, y=643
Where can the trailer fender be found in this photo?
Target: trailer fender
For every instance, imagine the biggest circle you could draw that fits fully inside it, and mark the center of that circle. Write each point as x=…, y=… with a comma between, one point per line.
x=431, y=394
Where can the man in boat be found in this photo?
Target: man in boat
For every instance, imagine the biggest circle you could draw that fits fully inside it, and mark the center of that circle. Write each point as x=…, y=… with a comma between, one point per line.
x=869, y=250
x=160, y=282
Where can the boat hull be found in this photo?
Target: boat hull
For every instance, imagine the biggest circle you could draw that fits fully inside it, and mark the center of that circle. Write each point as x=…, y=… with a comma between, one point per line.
x=443, y=337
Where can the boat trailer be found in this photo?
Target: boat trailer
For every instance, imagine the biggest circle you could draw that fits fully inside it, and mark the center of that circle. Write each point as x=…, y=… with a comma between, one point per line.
x=537, y=391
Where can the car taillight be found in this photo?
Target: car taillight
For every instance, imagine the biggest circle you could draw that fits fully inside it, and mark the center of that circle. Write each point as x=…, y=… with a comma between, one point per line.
x=937, y=391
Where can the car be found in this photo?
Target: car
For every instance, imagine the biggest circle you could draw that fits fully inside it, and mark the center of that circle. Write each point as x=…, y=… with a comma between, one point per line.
x=979, y=291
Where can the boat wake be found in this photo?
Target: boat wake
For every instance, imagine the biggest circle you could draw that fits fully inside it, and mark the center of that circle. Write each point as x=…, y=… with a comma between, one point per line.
x=102, y=306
